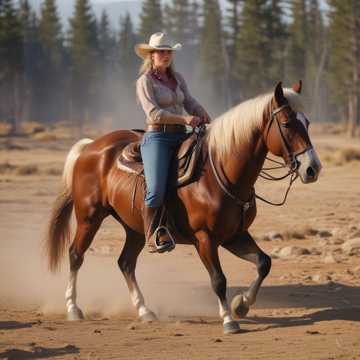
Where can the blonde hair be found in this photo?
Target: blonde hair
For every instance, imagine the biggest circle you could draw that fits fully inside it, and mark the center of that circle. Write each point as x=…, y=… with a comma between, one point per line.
x=239, y=123
x=147, y=65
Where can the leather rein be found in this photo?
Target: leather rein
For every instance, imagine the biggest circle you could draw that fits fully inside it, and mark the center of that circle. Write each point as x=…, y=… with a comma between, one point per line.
x=291, y=163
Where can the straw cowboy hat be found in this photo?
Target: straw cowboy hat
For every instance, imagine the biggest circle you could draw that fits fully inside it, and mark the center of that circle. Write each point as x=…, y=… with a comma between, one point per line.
x=157, y=41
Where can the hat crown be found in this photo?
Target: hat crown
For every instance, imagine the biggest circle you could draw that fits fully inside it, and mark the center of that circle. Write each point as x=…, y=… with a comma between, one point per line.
x=158, y=39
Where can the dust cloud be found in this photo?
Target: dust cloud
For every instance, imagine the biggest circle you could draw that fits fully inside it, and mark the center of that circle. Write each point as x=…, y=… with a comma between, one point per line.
x=170, y=288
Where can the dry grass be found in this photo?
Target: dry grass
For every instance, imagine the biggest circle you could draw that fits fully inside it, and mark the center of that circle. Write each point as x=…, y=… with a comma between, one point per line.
x=341, y=157
x=26, y=170
x=45, y=136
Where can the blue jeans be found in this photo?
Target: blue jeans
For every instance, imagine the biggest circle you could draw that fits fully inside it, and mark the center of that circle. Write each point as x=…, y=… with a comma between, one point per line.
x=157, y=151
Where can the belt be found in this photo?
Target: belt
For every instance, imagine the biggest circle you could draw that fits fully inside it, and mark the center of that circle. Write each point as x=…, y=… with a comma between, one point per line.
x=166, y=128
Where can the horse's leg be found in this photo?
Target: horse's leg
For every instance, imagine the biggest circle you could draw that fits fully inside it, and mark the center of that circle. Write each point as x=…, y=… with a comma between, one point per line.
x=245, y=247
x=85, y=233
x=208, y=252
x=134, y=243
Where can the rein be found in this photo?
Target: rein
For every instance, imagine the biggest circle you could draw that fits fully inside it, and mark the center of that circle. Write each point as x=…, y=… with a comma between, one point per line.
x=292, y=164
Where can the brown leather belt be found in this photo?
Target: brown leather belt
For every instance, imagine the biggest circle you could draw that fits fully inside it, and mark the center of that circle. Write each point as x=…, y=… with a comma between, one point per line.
x=170, y=128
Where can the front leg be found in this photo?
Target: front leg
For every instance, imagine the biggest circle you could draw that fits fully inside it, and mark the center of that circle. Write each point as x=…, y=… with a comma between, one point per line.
x=208, y=252
x=244, y=246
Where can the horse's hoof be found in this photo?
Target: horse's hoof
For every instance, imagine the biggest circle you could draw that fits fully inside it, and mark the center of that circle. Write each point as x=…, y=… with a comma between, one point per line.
x=231, y=327
x=75, y=314
x=239, y=306
x=148, y=317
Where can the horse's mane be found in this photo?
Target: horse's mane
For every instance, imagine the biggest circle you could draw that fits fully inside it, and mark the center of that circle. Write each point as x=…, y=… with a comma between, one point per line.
x=238, y=124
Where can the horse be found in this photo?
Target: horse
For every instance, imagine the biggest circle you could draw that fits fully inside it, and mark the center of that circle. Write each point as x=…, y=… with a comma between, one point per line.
x=216, y=209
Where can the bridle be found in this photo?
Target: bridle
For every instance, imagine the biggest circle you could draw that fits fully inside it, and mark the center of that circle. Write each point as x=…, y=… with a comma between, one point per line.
x=290, y=162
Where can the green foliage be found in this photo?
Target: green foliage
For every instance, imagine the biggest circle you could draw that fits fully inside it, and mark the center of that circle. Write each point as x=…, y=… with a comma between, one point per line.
x=212, y=52
x=151, y=20
x=252, y=54
x=298, y=38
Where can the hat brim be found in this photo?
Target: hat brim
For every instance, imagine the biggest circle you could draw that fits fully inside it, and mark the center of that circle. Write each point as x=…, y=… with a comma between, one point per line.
x=143, y=50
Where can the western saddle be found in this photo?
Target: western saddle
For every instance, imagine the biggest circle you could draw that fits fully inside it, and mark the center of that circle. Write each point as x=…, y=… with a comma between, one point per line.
x=185, y=165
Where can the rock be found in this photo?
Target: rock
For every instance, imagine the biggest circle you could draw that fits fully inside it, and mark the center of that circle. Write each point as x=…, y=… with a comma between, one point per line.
x=315, y=251
x=292, y=251
x=273, y=236
x=329, y=259
x=316, y=278
x=336, y=241
x=324, y=233
x=351, y=247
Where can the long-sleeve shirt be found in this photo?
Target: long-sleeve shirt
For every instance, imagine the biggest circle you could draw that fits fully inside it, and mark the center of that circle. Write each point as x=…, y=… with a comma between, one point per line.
x=158, y=100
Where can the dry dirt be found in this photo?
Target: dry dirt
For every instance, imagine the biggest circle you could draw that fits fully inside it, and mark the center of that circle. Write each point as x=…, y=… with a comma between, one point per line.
x=308, y=307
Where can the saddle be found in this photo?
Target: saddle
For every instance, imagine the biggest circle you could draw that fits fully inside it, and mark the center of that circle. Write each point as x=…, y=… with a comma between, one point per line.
x=184, y=166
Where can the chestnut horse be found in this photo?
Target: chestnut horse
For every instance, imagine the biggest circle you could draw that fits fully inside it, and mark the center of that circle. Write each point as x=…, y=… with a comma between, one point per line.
x=214, y=210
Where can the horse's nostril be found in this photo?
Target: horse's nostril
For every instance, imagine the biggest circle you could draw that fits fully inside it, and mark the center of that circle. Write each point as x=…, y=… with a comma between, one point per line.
x=310, y=172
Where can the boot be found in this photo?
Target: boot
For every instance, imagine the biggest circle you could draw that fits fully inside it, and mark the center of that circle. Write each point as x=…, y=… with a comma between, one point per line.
x=157, y=234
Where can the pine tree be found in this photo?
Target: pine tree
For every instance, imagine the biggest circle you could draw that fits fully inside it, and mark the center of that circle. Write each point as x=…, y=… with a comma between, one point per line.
x=106, y=39
x=232, y=40
x=317, y=49
x=127, y=41
x=151, y=20
x=276, y=33
x=344, y=68
x=252, y=67
x=212, y=55
x=11, y=62
x=84, y=54
x=297, y=46
x=178, y=15
x=51, y=39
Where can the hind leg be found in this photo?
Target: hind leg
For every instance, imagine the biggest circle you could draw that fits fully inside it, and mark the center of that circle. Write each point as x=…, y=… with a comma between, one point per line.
x=85, y=233
x=245, y=247
x=127, y=263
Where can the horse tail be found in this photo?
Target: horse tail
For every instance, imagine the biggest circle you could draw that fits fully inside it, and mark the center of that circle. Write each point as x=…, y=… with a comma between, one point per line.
x=58, y=234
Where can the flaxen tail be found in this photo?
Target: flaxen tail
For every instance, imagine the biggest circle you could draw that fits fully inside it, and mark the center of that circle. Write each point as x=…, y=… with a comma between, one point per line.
x=58, y=235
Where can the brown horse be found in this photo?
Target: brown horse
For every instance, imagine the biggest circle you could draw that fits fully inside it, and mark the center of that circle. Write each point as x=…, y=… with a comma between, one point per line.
x=214, y=210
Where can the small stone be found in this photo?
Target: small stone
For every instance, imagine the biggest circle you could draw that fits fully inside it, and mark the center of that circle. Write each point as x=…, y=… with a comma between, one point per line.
x=329, y=259
x=217, y=340
x=288, y=251
x=97, y=331
x=273, y=236
x=312, y=332
x=316, y=278
x=315, y=251
x=351, y=247
x=131, y=327
x=324, y=233
x=178, y=334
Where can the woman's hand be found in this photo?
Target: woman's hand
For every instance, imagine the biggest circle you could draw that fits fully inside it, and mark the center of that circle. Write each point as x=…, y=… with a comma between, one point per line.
x=205, y=117
x=192, y=121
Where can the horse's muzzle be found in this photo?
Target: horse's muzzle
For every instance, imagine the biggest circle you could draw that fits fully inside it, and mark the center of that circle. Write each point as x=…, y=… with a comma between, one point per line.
x=310, y=166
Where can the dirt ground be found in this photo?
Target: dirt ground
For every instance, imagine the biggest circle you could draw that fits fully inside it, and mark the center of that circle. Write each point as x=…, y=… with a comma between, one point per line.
x=307, y=308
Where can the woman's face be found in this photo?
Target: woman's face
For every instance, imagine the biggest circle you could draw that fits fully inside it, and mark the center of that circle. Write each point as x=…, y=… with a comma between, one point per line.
x=162, y=58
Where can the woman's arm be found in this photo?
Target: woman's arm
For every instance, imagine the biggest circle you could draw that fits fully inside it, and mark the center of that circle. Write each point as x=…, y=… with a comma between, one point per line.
x=190, y=104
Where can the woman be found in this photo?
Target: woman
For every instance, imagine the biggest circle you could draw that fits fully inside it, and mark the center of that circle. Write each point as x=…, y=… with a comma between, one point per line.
x=163, y=95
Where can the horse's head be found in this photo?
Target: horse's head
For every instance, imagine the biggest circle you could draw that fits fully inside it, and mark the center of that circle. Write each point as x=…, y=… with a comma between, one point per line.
x=286, y=134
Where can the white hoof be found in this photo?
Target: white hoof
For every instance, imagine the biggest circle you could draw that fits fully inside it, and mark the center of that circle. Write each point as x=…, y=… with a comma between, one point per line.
x=231, y=327
x=239, y=306
x=148, y=317
x=75, y=314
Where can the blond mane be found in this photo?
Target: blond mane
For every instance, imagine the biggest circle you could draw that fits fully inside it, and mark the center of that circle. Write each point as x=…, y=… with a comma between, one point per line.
x=238, y=124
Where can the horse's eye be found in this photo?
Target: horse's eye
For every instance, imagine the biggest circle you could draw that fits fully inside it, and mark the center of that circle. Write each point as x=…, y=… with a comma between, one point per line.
x=286, y=125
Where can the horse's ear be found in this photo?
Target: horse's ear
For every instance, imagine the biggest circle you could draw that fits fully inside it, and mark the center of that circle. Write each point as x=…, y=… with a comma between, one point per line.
x=297, y=87
x=279, y=94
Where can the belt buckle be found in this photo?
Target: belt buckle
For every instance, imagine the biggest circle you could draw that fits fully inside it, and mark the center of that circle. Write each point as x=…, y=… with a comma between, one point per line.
x=164, y=127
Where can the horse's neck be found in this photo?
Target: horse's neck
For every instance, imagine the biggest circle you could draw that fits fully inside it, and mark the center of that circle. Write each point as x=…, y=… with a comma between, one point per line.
x=243, y=169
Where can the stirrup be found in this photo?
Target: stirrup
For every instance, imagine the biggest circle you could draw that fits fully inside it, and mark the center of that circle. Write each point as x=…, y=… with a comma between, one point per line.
x=166, y=246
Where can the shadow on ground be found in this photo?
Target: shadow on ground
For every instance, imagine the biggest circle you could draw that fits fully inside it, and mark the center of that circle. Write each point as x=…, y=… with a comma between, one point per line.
x=38, y=353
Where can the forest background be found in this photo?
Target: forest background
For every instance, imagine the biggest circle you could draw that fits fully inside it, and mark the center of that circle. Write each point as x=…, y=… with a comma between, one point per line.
x=85, y=72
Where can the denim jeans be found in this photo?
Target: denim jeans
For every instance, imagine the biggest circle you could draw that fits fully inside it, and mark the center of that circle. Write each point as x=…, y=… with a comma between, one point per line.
x=157, y=151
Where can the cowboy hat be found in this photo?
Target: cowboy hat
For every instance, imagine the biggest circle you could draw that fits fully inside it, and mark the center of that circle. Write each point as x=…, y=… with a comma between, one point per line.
x=157, y=42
